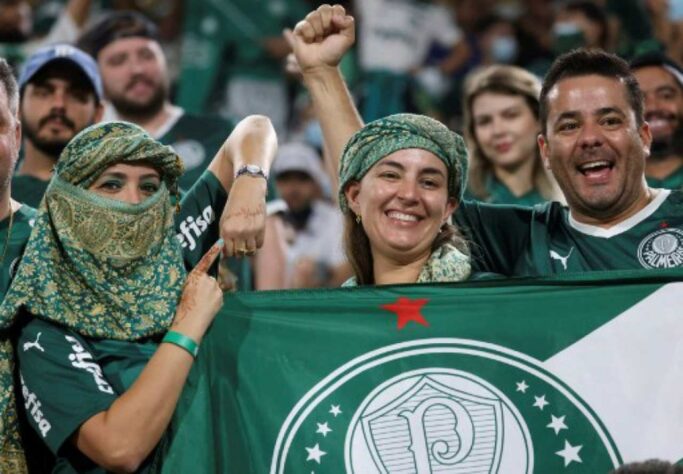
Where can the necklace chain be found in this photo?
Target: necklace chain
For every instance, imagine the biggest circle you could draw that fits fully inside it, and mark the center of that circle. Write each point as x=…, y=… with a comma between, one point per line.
x=9, y=234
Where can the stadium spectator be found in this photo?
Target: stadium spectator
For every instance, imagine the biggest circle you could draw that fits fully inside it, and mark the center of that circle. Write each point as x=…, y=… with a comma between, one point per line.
x=60, y=95
x=501, y=124
x=17, y=38
x=129, y=250
x=313, y=227
x=400, y=179
x=394, y=42
x=240, y=40
x=661, y=80
x=594, y=139
x=580, y=23
x=136, y=83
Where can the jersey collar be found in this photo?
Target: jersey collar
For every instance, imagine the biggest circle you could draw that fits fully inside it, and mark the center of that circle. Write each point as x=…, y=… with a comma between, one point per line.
x=625, y=225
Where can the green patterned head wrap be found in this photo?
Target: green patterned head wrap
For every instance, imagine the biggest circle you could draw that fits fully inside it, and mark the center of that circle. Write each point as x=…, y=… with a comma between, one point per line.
x=398, y=132
x=101, y=267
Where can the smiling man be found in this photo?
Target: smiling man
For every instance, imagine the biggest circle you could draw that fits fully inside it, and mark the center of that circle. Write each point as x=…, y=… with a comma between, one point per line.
x=594, y=138
x=137, y=84
x=60, y=93
x=661, y=80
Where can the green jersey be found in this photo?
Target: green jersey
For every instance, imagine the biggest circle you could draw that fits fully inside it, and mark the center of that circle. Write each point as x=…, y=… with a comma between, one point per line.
x=197, y=226
x=545, y=239
x=673, y=181
x=22, y=221
x=196, y=139
x=501, y=194
x=28, y=189
x=66, y=379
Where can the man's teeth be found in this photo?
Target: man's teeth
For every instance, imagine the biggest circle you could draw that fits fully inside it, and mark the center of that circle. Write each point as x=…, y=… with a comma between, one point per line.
x=402, y=217
x=594, y=164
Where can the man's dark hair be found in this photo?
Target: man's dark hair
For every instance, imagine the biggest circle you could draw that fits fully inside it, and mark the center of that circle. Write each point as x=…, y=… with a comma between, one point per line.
x=115, y=26
x=584, y=62
x=10, y=84
x=658, y=59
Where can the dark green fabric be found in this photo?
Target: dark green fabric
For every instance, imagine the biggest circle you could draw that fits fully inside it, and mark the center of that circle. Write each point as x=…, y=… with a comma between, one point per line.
x=28, y=189
x=528, y=241
x=196, y=139
x=500, y=194
x=275, y=364
x=100, y=266
x=61, y=379
x=673, y=181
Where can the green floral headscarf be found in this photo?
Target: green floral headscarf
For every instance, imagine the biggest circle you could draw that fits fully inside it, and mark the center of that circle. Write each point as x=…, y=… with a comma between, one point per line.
x=98, y=266
x=398, y=132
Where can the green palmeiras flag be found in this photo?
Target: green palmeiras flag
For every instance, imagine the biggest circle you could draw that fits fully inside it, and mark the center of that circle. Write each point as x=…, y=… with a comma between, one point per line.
x=519, y=376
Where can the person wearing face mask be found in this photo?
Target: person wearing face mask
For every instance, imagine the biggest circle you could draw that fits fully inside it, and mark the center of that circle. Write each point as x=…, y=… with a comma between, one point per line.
x=497, y=41
x=109, y=320
x=661, y=80
x=501, y=124
x=580, y=23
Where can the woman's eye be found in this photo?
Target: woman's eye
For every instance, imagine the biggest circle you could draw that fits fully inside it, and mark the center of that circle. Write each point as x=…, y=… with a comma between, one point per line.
x=149, y=188
x=111, y=185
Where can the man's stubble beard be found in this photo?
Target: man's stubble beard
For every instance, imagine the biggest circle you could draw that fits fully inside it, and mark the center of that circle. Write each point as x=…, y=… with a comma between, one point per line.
x=140, y=112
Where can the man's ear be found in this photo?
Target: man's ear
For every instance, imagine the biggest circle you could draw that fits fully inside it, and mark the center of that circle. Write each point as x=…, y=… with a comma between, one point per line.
x=543, y=148
x=351, y=192
x=646, y=137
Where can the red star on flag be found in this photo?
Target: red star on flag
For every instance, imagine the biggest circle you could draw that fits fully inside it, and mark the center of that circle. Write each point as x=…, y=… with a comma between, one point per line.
x=407, y=310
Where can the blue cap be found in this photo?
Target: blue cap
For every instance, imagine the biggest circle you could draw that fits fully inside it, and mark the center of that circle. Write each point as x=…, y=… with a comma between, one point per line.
x=62, y=52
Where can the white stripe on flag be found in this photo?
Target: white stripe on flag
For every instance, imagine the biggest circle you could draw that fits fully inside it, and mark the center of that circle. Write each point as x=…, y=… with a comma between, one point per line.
x=630, y=371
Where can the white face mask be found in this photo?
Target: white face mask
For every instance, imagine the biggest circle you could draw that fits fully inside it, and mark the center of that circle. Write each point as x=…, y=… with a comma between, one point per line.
x=504, y=49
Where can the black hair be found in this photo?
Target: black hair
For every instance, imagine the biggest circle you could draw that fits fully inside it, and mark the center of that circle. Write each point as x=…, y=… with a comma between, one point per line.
x=117, y=25
x=584, y=62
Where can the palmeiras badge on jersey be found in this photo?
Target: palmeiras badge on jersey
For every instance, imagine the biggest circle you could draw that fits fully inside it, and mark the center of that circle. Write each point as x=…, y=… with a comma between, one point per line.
x=662, y=249
x=442, y=406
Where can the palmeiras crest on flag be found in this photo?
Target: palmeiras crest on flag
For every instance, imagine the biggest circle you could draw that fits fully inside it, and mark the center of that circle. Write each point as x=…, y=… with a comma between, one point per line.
x=436, y=420
x=442, y=405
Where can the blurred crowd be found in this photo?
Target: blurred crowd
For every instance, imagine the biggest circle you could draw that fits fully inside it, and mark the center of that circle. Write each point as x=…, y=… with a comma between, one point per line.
x=474, y=65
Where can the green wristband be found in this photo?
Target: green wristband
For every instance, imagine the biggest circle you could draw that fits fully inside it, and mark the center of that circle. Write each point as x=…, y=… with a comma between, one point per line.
x=181, y=340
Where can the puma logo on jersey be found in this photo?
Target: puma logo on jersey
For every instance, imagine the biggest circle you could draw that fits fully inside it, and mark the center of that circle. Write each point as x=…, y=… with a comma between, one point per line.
x=35, y=344
x=32, y=405
x=82, y=359
x=563, y=260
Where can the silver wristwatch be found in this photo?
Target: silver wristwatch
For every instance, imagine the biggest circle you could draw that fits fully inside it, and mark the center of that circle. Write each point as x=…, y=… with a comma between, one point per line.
x=252, y=170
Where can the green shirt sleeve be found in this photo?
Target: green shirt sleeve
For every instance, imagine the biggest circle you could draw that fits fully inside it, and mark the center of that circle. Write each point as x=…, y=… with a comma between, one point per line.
x=497, y=234
x=61, y=385
x=198, y=220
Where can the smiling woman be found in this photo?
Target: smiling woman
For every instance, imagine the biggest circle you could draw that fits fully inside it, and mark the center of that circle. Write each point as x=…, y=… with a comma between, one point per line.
x=400, y=180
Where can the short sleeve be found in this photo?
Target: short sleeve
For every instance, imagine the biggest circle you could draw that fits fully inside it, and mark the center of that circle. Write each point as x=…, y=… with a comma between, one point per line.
x=197, y=223
x=61, y=385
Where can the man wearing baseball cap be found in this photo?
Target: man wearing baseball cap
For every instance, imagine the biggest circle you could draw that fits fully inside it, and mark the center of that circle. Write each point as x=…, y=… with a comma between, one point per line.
x=60, y=95
x=661, y=80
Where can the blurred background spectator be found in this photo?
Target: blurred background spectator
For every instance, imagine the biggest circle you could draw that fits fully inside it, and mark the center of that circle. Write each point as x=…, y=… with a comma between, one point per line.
x=312, y=224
